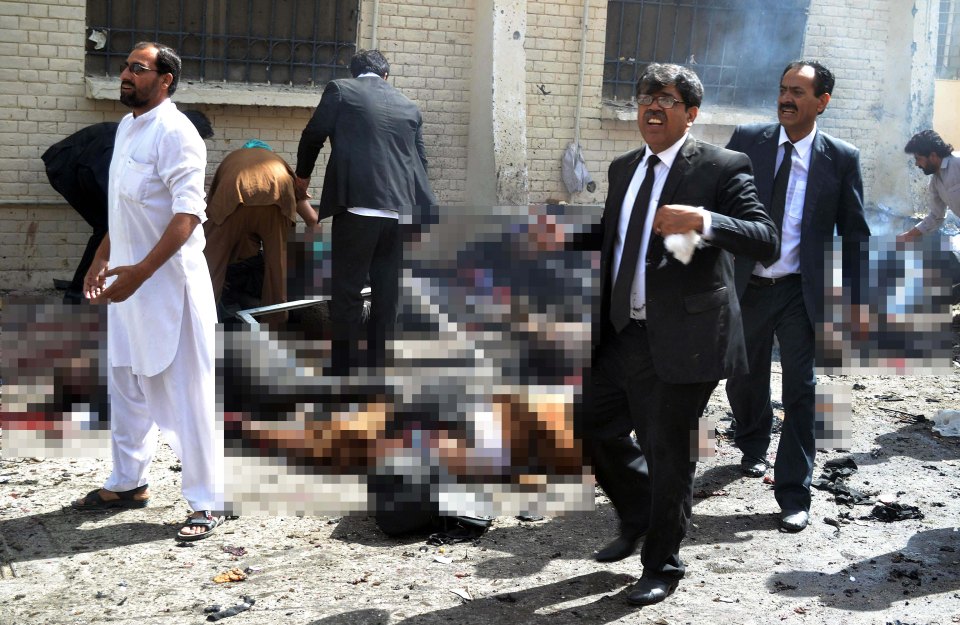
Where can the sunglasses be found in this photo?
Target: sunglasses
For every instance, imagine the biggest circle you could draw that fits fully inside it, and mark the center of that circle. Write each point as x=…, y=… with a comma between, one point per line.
x=136, y=68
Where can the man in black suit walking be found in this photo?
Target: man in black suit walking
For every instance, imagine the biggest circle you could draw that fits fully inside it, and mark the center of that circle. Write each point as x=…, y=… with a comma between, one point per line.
x=810, y=183
x=667, y=331
x=375, y=176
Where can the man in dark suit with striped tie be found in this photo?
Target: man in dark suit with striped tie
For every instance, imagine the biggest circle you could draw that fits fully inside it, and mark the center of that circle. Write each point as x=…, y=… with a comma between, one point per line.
x=812, y=186
x=667, y=332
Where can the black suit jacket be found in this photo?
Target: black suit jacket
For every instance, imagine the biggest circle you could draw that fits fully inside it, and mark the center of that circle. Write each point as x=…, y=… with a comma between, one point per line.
x=377, y=159
x=833, y=203
x=693, y=314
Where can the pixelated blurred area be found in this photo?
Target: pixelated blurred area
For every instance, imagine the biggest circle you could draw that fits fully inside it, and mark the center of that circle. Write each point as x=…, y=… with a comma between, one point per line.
x=54, y=383
x=474, y=412
x=906, y=290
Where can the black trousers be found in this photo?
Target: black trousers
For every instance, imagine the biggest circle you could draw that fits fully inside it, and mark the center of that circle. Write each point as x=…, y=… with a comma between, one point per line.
x=363, y=247
x=767, y=311
x=650, y=480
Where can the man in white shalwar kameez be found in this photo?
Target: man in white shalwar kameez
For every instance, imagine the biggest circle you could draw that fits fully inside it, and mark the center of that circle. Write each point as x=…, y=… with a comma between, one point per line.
x=161, y=318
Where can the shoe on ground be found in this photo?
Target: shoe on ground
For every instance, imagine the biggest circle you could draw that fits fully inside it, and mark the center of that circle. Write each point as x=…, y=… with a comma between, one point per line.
x=623, y=546
x=753, y=467
x=794, y=520
x=650, y=590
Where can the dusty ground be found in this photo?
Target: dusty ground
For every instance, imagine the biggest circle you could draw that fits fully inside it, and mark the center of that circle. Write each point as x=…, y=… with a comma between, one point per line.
x=65, y=567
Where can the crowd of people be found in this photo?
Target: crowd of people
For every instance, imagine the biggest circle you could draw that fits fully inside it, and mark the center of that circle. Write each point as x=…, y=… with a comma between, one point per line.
x=668, y=329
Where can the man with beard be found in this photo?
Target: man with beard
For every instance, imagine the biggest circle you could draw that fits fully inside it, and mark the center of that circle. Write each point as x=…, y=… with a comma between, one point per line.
x=78, y=167
x=161, y=315
x=810, y=184
x=936, y=158
x=667, y=331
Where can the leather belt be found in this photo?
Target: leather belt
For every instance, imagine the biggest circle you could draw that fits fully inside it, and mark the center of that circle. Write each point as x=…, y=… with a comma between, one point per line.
x=761, y=281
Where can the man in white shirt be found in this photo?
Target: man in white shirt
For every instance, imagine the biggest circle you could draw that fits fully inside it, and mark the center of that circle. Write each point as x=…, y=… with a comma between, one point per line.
x=161, y=318
x=811, y=186
x=936, y=158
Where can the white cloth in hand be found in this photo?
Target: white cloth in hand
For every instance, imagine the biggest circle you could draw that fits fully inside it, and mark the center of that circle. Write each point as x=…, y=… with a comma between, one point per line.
x=682, y=246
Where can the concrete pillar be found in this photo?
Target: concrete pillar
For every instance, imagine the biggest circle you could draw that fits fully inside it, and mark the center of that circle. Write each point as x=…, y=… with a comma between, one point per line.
x=497, y=145
x=910, y=72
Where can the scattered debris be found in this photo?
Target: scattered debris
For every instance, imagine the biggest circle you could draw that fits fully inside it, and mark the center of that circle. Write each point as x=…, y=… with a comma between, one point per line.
x=947, y=423
x=889, y=513
x=779, y=586
x=833, y=522
x=233, y=575
x=462, y=593
x=905, y=417
x=252, y=569
x=442, y=559
x=705, y=494
x=899, y=557
x=234, y=551
x=833, y=480
x=232, y=611
x=725, y=600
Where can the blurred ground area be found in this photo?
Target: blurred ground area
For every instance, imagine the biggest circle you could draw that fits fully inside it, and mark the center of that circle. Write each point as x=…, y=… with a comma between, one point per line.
x=65, y=567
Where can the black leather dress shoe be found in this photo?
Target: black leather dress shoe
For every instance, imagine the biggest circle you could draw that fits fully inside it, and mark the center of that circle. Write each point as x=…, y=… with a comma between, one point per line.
x=794, y=521
x=623, y=546
x=753, y=467
x=650, y=590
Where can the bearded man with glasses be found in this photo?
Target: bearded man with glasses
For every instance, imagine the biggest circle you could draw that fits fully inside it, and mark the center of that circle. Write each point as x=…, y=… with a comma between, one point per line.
x=161, y=318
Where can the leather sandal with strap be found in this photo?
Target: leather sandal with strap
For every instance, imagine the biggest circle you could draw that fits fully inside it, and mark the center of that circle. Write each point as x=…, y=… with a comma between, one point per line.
x=207, y=520
x=126, y=499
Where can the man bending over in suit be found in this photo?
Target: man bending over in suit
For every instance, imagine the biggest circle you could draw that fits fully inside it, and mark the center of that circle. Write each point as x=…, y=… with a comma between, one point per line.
x=377, y=172
x=810, y=183
x=667, y=331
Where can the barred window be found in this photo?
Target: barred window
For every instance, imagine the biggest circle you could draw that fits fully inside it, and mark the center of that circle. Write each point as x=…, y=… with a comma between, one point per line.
x=948, y=40
x=738, y=48
x=288, y=42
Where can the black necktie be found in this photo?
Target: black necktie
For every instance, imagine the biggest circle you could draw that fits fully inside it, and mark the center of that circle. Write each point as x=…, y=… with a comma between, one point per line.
x=778, y=203
x=620, y=301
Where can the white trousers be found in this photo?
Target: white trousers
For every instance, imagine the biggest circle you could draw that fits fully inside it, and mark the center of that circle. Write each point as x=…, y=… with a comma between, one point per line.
x=180, y=401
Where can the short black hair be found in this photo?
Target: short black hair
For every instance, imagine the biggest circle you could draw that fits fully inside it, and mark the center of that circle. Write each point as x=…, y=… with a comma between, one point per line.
x=656, y=76
x=927, y=142
x=365, y=61
x=168, y=61
x=823, y=79
x=201, y=122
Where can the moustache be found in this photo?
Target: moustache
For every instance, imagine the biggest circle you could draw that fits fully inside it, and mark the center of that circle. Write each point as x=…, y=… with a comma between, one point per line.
x=654, y=115
x=127, y=83
x=788, y=107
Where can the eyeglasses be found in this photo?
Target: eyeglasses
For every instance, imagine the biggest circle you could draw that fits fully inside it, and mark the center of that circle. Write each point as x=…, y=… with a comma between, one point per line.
x=136, y=68
x=665, y=101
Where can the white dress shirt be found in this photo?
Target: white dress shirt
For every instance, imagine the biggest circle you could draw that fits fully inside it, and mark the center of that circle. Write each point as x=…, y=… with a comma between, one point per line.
x=789, y=261
x=638, y=294
x=158, y=169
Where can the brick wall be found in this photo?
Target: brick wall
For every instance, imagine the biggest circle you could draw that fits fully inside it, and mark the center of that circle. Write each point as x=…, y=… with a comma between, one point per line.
x=430, y=45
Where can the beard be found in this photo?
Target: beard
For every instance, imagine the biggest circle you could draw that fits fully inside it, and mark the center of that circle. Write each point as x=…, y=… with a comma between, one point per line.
x=132, y=99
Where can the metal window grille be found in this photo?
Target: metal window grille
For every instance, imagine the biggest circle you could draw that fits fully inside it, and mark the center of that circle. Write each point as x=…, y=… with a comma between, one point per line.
x=289, y=42
x=738, y=48
x=948, y=40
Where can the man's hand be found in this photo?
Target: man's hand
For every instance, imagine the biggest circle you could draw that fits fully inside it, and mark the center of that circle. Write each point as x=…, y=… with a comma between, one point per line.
x=129, y=279
x=677, y=219
x=910, y=235
x=300, y=186
x=94, y=281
